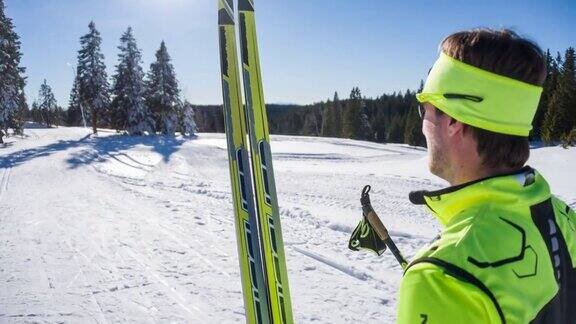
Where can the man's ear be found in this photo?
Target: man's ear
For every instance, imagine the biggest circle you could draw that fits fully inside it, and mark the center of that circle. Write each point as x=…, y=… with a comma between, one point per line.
x=455, y=127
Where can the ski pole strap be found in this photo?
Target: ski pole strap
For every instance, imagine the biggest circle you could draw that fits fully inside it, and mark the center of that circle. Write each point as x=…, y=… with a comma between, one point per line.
x=364, y=237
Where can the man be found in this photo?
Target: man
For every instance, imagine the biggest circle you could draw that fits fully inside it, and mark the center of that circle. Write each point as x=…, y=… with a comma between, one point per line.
x=507, y=251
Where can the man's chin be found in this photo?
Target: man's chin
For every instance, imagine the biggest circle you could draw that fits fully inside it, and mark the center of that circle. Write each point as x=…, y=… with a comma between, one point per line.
x=435, y=170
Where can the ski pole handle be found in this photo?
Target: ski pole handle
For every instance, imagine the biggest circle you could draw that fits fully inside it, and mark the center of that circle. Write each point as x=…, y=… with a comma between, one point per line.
x=376, y=223
x=382, y=232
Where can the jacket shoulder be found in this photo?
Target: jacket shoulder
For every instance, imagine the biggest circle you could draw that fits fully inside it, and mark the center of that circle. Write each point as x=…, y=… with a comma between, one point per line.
x=485, y=237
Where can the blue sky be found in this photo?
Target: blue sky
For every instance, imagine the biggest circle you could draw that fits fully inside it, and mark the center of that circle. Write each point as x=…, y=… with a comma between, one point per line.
x=308, y=48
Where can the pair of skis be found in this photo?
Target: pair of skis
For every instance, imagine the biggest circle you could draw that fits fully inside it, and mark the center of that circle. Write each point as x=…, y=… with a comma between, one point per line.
x=260, y=245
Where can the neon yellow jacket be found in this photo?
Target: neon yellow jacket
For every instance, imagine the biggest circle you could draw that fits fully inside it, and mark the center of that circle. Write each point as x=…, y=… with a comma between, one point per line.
x=506, y=254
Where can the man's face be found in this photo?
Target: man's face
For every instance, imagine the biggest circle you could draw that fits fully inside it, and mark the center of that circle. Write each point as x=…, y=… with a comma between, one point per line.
x=433, y=130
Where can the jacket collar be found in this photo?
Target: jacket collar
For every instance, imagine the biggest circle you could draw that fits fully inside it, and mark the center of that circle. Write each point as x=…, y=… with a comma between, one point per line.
x=524, y=186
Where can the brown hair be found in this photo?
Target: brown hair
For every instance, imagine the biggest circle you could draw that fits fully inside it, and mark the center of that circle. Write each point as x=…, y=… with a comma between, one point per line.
x=502, y=52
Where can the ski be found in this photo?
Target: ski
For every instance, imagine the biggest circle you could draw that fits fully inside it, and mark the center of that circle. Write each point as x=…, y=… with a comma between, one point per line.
x=246, y=221
x=272, y=243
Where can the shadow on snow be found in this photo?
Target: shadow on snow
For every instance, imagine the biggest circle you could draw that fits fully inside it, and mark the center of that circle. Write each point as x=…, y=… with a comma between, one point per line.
x=19, y=157
x=102, y=148
x=97, y=149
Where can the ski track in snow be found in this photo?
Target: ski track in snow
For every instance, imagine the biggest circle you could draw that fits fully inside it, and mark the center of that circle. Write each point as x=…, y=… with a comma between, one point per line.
x=349, y=270
x=133, y=229
x=5, y=180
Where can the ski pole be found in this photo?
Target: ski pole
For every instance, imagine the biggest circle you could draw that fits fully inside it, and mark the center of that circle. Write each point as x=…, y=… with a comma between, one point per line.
x=380, y=229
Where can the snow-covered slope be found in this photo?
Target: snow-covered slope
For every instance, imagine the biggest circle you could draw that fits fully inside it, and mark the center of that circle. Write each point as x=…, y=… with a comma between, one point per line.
x=140, y=229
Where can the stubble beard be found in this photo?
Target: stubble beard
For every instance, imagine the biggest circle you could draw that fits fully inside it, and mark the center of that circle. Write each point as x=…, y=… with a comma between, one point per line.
x=438, y=162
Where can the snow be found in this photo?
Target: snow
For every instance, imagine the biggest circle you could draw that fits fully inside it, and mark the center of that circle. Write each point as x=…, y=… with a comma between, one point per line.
x=140, y=229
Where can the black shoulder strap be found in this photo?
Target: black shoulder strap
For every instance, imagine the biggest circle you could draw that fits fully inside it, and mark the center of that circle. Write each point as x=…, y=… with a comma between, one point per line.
x=462, y=275
x=559, y=309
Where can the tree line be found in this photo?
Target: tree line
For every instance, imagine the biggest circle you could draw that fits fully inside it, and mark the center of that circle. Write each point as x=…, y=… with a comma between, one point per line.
x=390, y=118
x=393, y=118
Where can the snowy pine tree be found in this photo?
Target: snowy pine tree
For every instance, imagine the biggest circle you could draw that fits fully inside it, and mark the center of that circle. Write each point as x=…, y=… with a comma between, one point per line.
x=162, y=94
x=12, y=81
x=560, y=117
x=187, y=121
x=75, y=115
x=18, y=117
x=365, y=131
x=129, y=108
x=352, y=121
x=93, y=83
x=332, y=123
x=35, y=113
x=59, y=116
x=47, y=105
x=549, y=88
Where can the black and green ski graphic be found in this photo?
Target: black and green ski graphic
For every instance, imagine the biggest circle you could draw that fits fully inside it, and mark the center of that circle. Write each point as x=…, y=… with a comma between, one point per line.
x=266, y=202
x=260, y=243
x=247, y=234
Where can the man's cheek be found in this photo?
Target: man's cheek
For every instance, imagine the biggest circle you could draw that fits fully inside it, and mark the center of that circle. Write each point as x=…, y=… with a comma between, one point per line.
x=427, y=128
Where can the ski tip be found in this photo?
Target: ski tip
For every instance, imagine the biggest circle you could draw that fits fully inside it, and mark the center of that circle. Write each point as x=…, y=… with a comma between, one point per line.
x=225, y=12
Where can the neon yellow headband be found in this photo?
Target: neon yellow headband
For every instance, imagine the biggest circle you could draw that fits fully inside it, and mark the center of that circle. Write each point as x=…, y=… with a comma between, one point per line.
x=480, y=98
